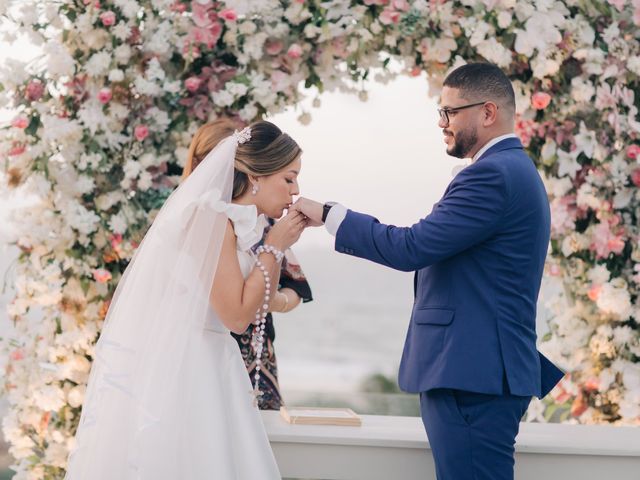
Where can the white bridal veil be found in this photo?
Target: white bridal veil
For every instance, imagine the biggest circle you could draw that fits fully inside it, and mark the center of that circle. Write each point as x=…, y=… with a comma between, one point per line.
x=133, y=406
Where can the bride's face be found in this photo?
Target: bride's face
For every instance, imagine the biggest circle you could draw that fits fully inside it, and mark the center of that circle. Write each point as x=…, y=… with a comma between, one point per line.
x=276, y=191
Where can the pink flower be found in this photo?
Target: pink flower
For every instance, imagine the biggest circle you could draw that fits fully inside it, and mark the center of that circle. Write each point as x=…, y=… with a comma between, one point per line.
x=633, y=151
x=192, y=84
x=101, y=275
x=228, y=14
x=540, y=100
x=635, y=177
x=20, y=122
x=273, y=46
x=389, y=16
x=401, y=5
x=116, y=240
x=555, y=270
x=376, y=2
x=17, y=354
x=108, y=18
x=17, y=149
x=141, y=132
x=604, y=242
x=104, y=95
x=202, y=14
x=35, y=89
x=594, y=292
x=295, y=51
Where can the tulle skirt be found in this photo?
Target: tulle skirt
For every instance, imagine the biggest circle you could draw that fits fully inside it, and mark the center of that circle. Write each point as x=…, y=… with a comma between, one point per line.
x=216, y=432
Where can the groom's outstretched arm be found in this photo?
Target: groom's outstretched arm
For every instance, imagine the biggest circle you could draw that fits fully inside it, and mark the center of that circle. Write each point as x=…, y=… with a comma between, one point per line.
x=468, y=214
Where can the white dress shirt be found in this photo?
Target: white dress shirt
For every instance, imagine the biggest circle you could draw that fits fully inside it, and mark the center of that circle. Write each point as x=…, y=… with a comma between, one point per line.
x=338, y=212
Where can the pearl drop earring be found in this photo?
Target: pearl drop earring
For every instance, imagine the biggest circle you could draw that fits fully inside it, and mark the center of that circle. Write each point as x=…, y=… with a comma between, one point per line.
x=254, y=190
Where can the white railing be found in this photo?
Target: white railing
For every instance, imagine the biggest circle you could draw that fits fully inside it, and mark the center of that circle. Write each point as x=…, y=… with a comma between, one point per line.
x=396, y=448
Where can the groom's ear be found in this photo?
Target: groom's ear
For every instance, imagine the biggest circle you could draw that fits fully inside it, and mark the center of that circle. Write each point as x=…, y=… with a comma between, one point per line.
x=490, y=112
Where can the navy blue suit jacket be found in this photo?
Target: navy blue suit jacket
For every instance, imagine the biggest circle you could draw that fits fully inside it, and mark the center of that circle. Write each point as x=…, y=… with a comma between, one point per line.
x=479, y=257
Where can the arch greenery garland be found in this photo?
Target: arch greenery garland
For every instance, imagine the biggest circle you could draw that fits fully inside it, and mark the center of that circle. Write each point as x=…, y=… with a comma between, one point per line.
x=103, y=118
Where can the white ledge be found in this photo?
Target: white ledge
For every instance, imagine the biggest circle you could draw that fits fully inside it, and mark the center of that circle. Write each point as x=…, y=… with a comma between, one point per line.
x=397, y=447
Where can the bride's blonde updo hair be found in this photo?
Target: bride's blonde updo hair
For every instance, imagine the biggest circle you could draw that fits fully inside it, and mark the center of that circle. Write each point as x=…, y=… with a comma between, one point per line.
x=268, y=151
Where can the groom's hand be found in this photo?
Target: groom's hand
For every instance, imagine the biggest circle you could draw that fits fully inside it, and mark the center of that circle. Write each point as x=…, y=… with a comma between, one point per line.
x=310, y=209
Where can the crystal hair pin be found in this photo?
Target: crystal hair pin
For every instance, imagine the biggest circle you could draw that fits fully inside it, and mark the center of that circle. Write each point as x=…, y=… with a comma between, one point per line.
x=243, y=135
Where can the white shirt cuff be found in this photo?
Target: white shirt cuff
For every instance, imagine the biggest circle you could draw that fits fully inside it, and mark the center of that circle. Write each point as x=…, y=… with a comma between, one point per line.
x=334, y=218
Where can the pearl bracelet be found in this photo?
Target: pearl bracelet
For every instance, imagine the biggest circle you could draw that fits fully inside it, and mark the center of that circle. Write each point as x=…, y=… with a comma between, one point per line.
x=272, y=250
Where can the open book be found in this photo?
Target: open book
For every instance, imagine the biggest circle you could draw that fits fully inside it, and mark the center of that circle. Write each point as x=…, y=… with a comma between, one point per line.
x=320, y=416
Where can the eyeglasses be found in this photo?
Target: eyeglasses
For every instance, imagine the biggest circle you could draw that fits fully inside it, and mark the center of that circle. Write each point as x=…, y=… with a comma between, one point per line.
x=444, y=112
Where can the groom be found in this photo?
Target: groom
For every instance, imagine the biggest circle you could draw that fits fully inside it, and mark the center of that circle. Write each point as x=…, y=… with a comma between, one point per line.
x=478, y=256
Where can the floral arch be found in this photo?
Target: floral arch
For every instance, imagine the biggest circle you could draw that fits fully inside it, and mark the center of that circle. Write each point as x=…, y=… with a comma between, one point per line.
x=104, y=117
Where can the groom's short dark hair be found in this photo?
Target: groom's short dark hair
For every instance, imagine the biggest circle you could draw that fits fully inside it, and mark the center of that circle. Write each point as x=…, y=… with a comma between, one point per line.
x=476, y=80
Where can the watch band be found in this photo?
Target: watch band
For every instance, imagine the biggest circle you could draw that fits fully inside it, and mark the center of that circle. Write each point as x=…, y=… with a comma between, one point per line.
x=325, y=210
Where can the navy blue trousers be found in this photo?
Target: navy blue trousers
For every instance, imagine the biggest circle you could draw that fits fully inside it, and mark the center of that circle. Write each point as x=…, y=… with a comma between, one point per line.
x=472, y=435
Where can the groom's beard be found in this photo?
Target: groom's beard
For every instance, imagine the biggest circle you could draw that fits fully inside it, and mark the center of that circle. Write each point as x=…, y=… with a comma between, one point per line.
x=463, y=142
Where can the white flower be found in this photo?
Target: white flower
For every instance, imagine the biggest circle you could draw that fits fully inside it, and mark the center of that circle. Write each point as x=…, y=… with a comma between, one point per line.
x=49, y=398
x=116, y=75
x=129, y=8
x=586, y=141
x=122, y=54
x=121, y=31
x=98, y=64
x=623, y=335
x=59, y=61
x=615, y=301
x=118, y=224
x=145, y=181
x=60, y=130
x=236, y=89
x=145, y=87
x=504, y=19
x=582, y=91
x=248, y=112
x=599, y=274
x=247, y=28
x=495, y=52
x=85, y=184
x=80, y=218
x=633, y=64
x=131, y=169
x=567, y=164
x=222, y=98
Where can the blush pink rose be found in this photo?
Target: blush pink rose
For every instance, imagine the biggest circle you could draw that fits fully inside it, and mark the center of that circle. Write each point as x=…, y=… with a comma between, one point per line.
x=192, y=84
x=633, y=151
x=594, y=292
x=104, y=95
x=18, y=149
x=273, y=46
x=141, y=132
x=108, y=18
x=635, y=177
x=295, y=51
x=228, y=14
x=20, y=122
x=540, y=100
x=389, y=16
x=402, y=5
x=35, y=89
x=17, y=354
x=101, y=275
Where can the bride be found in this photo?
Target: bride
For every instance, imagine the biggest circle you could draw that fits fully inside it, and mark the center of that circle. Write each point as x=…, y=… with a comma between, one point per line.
x=168, y=397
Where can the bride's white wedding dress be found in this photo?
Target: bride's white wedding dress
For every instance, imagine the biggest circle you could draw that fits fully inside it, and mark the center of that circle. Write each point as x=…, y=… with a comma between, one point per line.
x=169, y=397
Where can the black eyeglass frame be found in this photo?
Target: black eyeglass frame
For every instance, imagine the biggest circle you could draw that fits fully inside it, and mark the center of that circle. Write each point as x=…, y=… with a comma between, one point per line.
x=444, y=112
